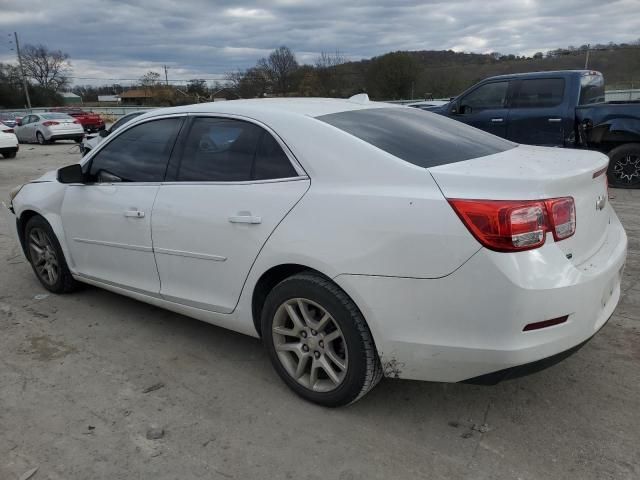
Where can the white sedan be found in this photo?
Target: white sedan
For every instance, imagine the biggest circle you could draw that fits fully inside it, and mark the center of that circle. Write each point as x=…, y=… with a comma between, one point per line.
x=48, y=127
x=357, y=239
x=8, y=142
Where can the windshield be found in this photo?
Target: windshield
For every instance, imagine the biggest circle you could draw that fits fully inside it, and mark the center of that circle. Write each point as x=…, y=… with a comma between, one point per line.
x=422, y=138
x=591, y=89
x=54, y=116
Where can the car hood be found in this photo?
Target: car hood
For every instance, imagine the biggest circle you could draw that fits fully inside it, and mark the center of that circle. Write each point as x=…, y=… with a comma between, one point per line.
x=50, y=176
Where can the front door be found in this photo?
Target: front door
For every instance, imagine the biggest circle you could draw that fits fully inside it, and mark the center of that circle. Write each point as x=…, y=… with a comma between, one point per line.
x=107, y=223
x=486, y=108
x=233, y=184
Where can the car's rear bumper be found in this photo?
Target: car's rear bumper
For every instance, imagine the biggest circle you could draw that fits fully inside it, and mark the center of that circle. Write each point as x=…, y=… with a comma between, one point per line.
x=66, y=136
x=471, y=323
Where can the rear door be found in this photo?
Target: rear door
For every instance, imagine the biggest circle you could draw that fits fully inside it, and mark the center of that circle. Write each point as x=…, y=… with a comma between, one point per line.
x=233, y=182
x=538, y=112
x=486, y=107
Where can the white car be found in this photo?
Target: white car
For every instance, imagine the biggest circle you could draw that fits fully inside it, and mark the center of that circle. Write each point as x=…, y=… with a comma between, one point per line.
x=48, y=127
x=358, y=239
x=8, y=142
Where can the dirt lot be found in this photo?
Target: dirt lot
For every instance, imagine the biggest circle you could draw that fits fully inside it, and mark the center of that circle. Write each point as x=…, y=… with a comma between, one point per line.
x=83, y=378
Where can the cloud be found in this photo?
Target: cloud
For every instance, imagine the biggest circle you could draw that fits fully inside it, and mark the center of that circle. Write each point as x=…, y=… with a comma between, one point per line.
x=122, y=39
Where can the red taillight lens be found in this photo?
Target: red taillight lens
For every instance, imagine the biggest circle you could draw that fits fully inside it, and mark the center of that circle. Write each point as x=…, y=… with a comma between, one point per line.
x=563, y=216
x=48, y=123
x=512, y=226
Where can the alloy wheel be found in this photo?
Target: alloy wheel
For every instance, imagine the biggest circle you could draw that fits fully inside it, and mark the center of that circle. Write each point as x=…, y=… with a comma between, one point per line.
x=310, y=345
x=627, y=169
x=43, y=256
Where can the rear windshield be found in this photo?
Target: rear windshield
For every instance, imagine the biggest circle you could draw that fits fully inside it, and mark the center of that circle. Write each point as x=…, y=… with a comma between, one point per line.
x=591, y=89
x=422, y=138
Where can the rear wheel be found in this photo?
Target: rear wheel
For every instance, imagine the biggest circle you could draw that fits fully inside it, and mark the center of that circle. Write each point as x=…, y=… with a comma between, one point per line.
x=46, y=257
x=40, y=138
x=318, y=341
x=624, y=166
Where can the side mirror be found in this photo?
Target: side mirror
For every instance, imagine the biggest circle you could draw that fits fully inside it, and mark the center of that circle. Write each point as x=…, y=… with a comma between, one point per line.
x=71, y=174
x=103, y=133
x=19, y=122
x=454, y=108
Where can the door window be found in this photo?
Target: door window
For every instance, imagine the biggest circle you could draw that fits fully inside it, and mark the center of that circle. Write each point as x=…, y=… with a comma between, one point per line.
x=140, y=154
x=540, y=93
x=228, y=150
x=488, y=96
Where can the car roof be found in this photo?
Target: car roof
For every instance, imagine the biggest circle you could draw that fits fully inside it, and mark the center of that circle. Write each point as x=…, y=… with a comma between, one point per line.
x=552, y=73
x=264, y=108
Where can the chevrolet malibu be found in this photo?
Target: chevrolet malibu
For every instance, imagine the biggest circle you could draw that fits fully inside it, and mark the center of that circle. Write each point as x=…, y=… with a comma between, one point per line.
x=357, y=239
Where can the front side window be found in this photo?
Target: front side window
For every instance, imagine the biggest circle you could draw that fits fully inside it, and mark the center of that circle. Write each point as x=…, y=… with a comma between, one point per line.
x=539, y=93
x=140, y=154
x=228, y=150
x=487, y=96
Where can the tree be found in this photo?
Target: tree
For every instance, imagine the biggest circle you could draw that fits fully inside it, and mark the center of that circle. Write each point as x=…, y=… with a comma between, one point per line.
x=281, y=66
x=150, y=79
x=197, y=87
x=328, y=75
x=392, y=76
x=50, y=69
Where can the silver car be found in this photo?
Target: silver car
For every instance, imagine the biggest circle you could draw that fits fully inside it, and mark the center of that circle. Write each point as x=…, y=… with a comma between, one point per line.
x=48, y=127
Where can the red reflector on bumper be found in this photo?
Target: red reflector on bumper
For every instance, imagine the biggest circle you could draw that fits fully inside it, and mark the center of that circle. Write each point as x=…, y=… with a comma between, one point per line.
x=545, y=323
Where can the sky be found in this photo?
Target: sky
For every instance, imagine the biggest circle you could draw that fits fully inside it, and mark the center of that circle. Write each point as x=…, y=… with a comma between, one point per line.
x=111, y=41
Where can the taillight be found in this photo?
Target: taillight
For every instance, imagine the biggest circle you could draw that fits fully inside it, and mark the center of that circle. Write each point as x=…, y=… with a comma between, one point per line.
x=512, y=226
x=48, y=123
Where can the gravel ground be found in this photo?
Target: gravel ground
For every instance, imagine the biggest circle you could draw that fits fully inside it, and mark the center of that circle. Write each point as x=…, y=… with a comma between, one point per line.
x=95, y=385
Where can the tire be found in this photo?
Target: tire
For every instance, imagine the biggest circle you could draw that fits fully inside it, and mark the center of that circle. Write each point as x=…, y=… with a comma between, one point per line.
x=40, y=138
x=9, y=155
x=624, y=166
x=349, y=343
x=39, y=237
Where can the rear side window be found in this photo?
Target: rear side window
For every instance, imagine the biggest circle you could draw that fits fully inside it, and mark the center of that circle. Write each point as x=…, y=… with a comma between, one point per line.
x=228, y=150
x=539, y=92
x=422, y=138
x=591, y=89
x=140, y=154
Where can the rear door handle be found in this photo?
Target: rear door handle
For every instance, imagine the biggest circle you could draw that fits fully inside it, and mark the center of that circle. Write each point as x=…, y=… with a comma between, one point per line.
x=245, y=217
x=497, y=120
x=555, y=120
x=134, y=213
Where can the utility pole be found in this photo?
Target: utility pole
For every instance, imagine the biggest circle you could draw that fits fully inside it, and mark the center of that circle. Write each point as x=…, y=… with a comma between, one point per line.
x=166, y=77
x=24, y=78
x=586, y=60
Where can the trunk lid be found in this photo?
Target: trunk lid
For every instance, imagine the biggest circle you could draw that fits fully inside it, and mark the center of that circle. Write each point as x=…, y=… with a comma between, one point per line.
x=536, y=173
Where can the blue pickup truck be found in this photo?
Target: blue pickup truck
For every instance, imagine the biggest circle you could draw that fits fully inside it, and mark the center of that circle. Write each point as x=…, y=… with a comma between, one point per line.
x=561, y=109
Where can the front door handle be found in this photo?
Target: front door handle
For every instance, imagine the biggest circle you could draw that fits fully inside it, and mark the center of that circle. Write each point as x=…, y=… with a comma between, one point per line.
x=555, y=120
x=245, y=217
x=134, y=213
x=497, y=120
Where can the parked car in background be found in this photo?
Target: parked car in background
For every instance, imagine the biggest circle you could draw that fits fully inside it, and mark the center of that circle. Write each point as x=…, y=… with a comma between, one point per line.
x=91, y=122
x=358, y=239
x=8, y=118
x=559, y=109
x=8, y=142
x=92, y=140
x=48, y=127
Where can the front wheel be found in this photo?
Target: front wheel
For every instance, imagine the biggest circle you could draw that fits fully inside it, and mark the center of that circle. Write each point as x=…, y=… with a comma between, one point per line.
x=9, y=155
x=624, y=166
x=46, y=257
x=318, y=341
